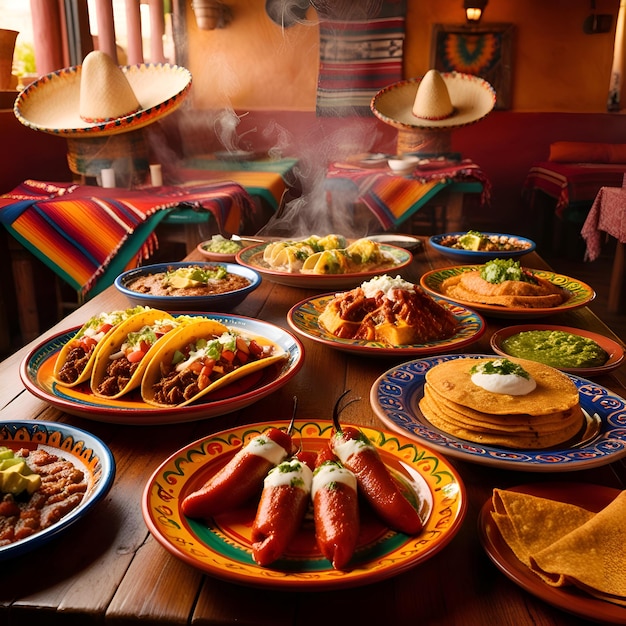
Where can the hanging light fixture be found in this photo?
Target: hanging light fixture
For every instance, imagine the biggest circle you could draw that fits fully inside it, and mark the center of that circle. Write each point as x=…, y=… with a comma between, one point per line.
x=474, y=10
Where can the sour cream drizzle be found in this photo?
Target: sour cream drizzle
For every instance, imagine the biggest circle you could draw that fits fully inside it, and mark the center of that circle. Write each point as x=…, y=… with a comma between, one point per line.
x=329, y=473
x=292, y=473
x=267, y=448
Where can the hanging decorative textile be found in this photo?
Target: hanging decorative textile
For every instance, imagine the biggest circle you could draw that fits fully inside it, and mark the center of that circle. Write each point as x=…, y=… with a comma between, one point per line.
x=361, y=50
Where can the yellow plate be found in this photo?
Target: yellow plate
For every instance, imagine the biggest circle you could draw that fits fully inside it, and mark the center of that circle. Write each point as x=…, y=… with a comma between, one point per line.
x=222, y=548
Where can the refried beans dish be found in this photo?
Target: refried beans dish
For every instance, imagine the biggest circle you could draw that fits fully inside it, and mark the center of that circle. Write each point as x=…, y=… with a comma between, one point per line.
x=192, y=280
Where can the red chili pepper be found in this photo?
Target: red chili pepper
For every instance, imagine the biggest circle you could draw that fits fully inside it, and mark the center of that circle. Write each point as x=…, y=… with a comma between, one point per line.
x=240, y=479
x=376, y=483
x=335, y=510
x=281, y=510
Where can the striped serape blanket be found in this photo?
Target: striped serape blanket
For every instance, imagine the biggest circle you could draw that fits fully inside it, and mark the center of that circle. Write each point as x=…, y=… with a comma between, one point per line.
x=358, y=58
x=88, y=235
x=572, y=183
x=393, y=198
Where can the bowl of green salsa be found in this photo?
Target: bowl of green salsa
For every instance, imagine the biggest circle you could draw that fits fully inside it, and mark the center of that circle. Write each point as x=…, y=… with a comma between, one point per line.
x=568, y=349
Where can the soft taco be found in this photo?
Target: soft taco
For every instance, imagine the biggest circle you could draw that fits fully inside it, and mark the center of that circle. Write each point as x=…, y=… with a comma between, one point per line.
x=199, y=358
x=76, y=358
x=123, y=357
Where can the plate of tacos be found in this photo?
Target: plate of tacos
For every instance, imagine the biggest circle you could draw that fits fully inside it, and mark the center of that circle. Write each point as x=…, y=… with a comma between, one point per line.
x=503, y=288
x=158, y=368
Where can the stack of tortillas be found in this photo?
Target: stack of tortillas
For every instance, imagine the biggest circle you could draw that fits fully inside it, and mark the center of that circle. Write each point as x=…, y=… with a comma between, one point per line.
x=565, y=544
x=547, y=416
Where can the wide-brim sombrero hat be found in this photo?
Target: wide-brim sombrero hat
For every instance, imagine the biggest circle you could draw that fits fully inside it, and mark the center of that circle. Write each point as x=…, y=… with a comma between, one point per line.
x=93, y=99
x=437, y=101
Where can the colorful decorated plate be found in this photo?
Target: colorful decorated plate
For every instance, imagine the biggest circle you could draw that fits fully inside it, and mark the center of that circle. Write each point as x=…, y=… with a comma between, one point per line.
x=395, y=396
x=37, y=368
x=252, y=257
x=459, y=255
x=303, y=318
x=612, y=348
x=85, y=451
x=591, y=497
x=222, y=547
x=581, y=293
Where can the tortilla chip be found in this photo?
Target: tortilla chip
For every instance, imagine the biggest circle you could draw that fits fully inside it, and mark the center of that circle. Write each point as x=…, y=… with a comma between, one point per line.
x=592, y=556
x=529, y=524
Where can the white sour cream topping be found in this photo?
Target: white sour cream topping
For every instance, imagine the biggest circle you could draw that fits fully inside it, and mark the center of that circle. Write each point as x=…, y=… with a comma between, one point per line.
x=345, y=449
x=511, y=384
x=386, y=284
x=290, y=474
x=331, y=473
x=267, y=448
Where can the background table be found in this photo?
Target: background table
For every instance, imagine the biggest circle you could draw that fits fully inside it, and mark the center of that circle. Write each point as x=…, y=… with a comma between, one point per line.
x=608, y=215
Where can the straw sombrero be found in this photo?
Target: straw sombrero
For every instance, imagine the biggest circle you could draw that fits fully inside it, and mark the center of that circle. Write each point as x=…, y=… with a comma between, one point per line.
x=437, y=101
x=99, y=98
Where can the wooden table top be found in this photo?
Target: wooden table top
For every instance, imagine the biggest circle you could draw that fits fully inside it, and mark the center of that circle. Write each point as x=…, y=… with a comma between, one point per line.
x=109, y=569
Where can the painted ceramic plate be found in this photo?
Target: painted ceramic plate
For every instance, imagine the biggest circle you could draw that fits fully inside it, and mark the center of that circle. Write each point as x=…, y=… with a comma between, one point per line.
x=212, y=302
x=303, y=318
x=612, y=348
x=252, y=257
x=581, y=293
x=591, y=497
x=395, y=396
x=37, y=368
x=481, y=256
x=85, y=451
x=223, y=547
x=220, y=257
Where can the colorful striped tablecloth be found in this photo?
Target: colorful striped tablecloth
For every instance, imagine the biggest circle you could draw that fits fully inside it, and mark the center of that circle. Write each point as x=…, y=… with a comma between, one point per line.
x=393, y=198
x=88, y=235
x=572, y=183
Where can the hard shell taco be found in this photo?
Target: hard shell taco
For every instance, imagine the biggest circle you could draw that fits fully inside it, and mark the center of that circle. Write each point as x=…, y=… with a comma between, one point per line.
x=201, y=357
x=76, y=358
x=124, y=356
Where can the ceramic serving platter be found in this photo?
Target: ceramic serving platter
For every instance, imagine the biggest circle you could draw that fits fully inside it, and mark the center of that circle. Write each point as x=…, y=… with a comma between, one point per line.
x=87, y=452
x=395, y=399
x=581, y=294
x=222, y=546
x=303, y=318
x=252, y=257
x=36, y=371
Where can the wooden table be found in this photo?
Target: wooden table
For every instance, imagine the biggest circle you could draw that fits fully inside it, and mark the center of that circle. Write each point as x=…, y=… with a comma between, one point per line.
x=608, y=215
x=108, y=569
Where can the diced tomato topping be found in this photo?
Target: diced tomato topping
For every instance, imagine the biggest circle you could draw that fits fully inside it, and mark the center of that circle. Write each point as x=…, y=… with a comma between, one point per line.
x=242, y=357
x=105, y=328
x=228, y=356
x=255, y=348
x=87, y=343
x=144, y=346
x=242, y=346
x=196, y=367
x=135, y=356
x=203, y=382
x=207, y=368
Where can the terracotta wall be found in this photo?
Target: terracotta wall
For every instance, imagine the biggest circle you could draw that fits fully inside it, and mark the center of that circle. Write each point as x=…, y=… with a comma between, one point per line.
x=254, y=64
